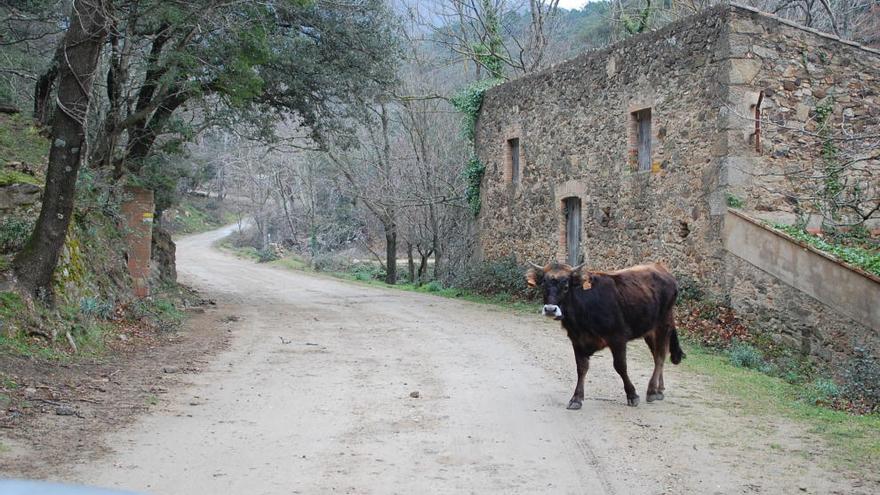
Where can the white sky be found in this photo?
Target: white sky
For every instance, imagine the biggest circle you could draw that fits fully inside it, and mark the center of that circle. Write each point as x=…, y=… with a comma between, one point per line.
x=572, y=4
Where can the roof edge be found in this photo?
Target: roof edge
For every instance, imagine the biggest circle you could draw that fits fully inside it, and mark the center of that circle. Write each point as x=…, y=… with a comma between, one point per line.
x=721, y=7
x=793, y=24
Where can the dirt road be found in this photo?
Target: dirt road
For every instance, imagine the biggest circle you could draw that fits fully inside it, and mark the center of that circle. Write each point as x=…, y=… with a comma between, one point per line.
x=314, y=396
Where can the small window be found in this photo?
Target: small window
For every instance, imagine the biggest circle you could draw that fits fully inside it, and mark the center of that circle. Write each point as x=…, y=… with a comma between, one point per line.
x=513, y=159
x=642, y=121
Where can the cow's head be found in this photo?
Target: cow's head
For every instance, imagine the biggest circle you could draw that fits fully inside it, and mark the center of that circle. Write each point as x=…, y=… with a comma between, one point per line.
x=557, y=279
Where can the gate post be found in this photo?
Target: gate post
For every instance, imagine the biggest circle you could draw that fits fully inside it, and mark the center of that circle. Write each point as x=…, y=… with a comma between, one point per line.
x=137, y=210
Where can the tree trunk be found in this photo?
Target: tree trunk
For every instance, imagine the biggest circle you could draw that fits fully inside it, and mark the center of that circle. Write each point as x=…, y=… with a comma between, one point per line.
x=144, y=136
x=410, y=263
x=81, y=46
x=43, y=90
x=423, y=263
x=437, y=258
x=390, y=251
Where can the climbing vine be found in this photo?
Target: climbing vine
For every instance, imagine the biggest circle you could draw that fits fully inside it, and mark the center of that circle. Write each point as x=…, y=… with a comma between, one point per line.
x=473, y=174
x=832, y=186
x=487, y=52
x=638, y=23
x=468, y=101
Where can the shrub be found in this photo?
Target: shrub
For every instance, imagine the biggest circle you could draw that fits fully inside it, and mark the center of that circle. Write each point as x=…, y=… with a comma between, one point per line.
x=268, y=254
x=689, y=289
x=95, y=308
x=14, y=233
x=161, y=312
x=367, y=271
x=734, y=201
x=866, y=259
x=743, y=355
x=862, y=381
x=503, y=277
x=329, y=262
x=821, y=392
x=433, y=286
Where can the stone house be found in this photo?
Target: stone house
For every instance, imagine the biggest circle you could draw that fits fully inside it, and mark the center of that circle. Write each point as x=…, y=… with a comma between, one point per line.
x=632, y=153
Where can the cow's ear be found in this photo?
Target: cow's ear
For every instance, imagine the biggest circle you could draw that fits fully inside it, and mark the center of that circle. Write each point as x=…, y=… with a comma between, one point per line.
x=586, y=280
x=534, y=277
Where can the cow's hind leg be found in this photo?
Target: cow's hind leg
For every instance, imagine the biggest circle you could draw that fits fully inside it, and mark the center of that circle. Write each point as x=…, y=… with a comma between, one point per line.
x=658, y=341
x=618, y=351
x=582, y=360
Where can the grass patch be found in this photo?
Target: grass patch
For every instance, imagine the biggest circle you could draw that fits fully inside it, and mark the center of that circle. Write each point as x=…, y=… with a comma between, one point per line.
x=91, y=338
x=161, y=312
x=855, y=440
x=291, y=262
x=8, y=177
x=10, y=304
x=30, y=347
x=8, y=383
x=196, y=214
x=20, y=141
x=247, y=252
x=868, y=260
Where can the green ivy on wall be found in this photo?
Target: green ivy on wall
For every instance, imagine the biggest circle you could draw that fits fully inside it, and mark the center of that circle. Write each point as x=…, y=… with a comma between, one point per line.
x=473, y=173
x=468, y=101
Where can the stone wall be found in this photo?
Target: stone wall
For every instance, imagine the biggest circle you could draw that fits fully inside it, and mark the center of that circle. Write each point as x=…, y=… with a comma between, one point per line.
x=799, y=71
x=793, y=318
x=575, y=126
x=15, y=196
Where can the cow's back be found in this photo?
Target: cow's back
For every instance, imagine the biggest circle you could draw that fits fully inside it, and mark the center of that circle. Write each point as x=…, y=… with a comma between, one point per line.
x=645, y=294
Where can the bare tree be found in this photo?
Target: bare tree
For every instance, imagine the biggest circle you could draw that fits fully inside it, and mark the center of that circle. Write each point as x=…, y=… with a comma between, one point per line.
x=495, y=35
x=831, y=173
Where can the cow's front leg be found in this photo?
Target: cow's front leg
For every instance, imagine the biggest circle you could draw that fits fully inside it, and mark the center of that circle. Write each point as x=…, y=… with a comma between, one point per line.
x=582, y=360
x=618, y=351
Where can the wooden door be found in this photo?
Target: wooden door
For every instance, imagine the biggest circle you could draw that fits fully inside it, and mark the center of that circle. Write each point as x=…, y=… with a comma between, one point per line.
x=573, y=230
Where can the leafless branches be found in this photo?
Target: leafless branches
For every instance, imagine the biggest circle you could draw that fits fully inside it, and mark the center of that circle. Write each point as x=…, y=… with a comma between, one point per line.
x=827, y=167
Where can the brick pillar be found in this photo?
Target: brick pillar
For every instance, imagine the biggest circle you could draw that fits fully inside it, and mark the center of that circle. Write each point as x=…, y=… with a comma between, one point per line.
x=138, y=213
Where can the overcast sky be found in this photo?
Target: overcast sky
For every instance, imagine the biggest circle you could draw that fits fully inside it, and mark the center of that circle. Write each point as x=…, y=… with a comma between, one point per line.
x=572, y=4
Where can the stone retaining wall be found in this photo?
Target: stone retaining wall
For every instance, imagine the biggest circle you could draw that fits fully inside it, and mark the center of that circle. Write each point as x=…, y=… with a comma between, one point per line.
x=805, y=299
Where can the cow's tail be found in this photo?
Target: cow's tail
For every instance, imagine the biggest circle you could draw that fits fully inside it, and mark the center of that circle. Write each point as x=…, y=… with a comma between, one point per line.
x=675, y=348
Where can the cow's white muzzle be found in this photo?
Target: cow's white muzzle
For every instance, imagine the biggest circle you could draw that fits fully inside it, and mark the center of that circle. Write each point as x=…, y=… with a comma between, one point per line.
x=552, y=311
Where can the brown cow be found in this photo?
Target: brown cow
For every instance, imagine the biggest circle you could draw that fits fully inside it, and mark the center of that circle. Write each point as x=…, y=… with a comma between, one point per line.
x=601, y=310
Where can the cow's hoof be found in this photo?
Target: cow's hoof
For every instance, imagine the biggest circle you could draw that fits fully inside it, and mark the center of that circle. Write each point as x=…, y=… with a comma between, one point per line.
x=654, y=396
x=574, y=405
x=632, y=401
